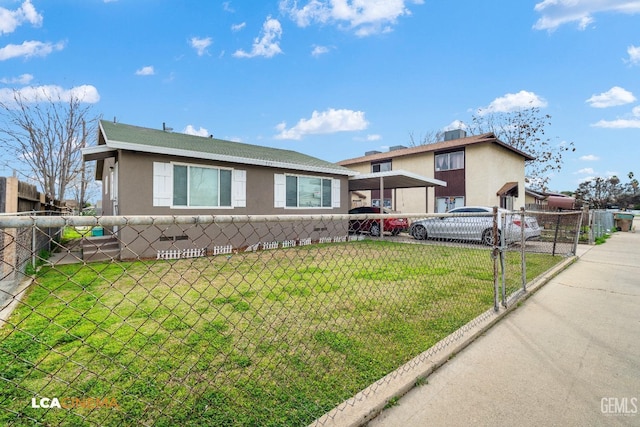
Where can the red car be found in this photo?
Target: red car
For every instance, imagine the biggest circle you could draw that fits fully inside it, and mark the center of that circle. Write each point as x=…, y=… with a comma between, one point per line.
x=372, y=226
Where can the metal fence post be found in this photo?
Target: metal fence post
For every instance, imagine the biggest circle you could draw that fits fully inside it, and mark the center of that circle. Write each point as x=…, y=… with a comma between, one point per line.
x=555, y=237
x=522, y=249
x=495, y=254
x=578, y=232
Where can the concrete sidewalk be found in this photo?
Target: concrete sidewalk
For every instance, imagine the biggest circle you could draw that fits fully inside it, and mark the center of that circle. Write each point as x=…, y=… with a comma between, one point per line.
x=569, y=356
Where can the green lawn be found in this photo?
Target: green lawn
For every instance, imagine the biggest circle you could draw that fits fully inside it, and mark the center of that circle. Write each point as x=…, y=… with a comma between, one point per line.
x=268, y=338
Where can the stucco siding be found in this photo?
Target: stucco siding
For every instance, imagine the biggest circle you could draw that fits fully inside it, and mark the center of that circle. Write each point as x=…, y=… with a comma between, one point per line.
x=488, y=167
x=136, y=189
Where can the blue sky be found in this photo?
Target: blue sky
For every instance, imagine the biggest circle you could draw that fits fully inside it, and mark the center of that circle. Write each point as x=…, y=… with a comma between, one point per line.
x=336, y=78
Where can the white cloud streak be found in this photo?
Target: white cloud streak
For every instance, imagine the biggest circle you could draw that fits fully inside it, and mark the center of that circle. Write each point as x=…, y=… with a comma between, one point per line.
x=319, y=50
x=634, y=54
x=29, y=49
x=611, y=98
x=190, y=130
x=200, y=44
x=23, y=79
x=325, y=122
x=238, y=27
x=364, y=17
x=618, y=124
x=589, y=158
x=555, y=13
x=267, y=45
x=146, y=71
x=513, y=102
x=33, y=94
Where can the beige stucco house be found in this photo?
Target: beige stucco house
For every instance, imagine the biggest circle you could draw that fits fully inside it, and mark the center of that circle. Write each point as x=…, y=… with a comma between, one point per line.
x=478, y=170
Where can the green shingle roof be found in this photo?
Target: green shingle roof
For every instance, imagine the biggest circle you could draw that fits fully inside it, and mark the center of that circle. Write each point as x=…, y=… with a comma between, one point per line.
x=123, y=136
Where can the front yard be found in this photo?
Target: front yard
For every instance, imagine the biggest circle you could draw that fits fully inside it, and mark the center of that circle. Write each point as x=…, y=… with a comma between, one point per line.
x=267, y=338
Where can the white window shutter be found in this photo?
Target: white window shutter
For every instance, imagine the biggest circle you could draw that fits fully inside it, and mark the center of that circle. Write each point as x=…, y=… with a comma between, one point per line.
x=335, y=193
x=279, y=190
x=239, y=188
x=162, y=184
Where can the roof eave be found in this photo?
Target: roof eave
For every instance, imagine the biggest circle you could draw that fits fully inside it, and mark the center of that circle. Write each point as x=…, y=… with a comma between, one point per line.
x=225, y=158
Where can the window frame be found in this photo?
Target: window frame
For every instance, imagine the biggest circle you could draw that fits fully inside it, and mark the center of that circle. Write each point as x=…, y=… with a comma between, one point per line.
x=219, y=193
x=325, y=183
x=379, y=164
x=448, y=162
x=163, y=191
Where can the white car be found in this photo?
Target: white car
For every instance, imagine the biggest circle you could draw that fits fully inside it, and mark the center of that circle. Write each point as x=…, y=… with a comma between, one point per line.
x=475, y=228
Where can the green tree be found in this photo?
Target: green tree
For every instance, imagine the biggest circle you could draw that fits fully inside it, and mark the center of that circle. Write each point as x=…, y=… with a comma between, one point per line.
x=600, y=192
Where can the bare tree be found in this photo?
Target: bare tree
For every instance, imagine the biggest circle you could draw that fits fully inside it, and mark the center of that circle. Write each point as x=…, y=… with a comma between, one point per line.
x=430, y=137
x=525, y=130
x=45, y=134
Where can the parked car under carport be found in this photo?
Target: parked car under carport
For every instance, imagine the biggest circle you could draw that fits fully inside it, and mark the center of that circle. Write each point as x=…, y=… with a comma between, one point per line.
x=392, y=224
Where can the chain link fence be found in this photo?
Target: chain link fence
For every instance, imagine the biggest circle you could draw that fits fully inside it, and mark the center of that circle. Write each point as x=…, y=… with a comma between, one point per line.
x=261, y=320
x=601, y=223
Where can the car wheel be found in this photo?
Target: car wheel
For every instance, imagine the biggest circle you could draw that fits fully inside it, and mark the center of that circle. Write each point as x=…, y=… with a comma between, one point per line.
x=419, y=232
x=375, y=229
x=487, y=237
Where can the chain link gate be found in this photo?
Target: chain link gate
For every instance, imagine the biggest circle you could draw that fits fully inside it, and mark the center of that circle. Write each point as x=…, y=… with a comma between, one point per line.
x=226, y=320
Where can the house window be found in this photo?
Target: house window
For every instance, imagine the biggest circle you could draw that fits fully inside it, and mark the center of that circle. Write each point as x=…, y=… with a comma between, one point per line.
x=196, y=186
x=445, y=204
x=308, y=192
x=181, y=185
x=449, y=161
x=383, y=166
x=296, y=191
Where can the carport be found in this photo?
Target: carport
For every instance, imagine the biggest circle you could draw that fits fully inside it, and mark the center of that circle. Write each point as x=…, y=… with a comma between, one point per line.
x=391, y=180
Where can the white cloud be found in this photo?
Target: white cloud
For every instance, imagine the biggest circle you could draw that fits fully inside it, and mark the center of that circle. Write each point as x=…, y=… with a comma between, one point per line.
x=226, y=6
x=364, y=17
x=85, y=93
x=146, y=71
x=456, y=124
x=618, y=124
x=12, y=19
x=588, y=171
x=513, y=102
x=200, y=45
x=611, y=98
x=589, y=158
x=319, y=50
x=628, y=121
x=190, y=130
x=634, y=54
x=28, y=49
x=325, y=122
x=238, y=27
x=23, y=79
x=559, y=12
x=374, y=137
x=266, y=45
